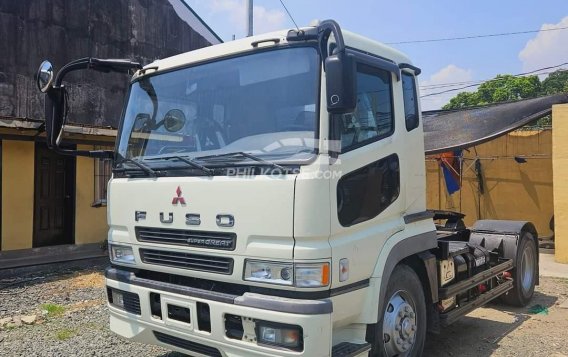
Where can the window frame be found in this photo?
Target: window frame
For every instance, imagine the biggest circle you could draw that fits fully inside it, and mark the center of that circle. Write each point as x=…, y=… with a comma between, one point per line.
x=254, y=50
x=376, y=63
x=415, y=93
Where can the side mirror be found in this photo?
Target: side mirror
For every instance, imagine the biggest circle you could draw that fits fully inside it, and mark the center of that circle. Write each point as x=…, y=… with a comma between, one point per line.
x=44, y=76
x=341, y=83
x=142, y=123
x=54, y=106
x=174, y=120
x=55, y=94
x=54, y=103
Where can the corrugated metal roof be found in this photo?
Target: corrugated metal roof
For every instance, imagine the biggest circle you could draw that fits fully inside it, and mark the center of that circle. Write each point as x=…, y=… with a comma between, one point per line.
x=458, y=129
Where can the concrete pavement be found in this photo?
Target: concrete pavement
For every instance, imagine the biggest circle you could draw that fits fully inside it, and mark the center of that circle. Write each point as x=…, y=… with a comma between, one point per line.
x=549, y=267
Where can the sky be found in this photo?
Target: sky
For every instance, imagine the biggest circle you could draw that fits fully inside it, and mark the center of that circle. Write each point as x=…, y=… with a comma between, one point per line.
x=408, y=20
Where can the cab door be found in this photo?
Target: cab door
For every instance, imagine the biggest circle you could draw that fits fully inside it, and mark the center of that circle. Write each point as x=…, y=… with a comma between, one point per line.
x=366, y=196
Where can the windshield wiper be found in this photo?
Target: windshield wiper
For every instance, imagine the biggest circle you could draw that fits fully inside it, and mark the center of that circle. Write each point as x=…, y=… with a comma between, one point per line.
x=188, y=161
x=247, y=155
x=143, y=167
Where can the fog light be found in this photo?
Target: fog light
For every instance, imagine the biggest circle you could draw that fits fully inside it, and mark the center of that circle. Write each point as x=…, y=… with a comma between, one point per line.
x=291, y=337
x=117, y=299
x=281, y=335
x=268, y=334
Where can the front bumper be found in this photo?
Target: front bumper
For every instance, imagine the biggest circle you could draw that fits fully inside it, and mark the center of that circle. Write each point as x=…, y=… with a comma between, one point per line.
x=314, y=316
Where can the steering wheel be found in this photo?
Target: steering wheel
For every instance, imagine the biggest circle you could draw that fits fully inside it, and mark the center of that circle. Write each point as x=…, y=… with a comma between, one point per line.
x=207, y=132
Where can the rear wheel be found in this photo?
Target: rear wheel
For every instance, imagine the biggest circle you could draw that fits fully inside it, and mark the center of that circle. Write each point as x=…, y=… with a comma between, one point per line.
x=525, y=272
x=401, y=329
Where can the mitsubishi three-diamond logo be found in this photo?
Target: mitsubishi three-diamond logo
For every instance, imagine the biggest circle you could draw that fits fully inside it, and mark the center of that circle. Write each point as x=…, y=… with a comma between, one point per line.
x=178, y=199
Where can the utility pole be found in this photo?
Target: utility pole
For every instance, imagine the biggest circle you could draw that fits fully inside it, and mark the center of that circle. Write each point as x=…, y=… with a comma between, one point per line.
x=249, y=17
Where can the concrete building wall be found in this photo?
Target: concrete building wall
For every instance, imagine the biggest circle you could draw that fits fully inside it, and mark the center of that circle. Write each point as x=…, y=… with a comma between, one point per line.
x=17, y=194
x=65, y=30
x=61, y=31
x=560, y=170
x=511, y=190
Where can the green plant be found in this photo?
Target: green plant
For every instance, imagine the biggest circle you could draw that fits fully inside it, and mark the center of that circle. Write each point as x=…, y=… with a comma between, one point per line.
x=53, y=310
x=505, y=87
x=65, y=334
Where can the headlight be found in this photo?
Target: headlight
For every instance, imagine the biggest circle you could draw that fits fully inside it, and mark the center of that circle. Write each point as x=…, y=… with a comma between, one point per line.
x=310, y=275
x=121, y=254
x=269, y=272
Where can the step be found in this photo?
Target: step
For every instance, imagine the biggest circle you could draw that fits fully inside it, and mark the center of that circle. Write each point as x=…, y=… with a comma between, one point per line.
x=349, y=349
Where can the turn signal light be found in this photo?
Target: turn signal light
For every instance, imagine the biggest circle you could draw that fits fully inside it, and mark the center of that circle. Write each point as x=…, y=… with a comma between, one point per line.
x=312, y=275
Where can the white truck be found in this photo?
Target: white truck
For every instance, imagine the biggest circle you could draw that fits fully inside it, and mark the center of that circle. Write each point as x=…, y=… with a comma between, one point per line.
x=268, y=198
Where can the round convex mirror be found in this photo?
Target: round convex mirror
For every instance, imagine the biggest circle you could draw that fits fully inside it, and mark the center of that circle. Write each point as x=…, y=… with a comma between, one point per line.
x=44, y=76
x=174, y=120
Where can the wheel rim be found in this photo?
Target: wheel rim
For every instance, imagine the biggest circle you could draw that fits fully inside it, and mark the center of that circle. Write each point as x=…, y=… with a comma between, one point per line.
x=399, y=324
x=527, y=269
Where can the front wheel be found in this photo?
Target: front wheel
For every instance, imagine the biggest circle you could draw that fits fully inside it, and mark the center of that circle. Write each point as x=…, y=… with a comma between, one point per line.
x=402, y=326
x=525, y=272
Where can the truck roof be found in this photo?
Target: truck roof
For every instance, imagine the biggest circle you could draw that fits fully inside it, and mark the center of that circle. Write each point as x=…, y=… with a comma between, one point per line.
x=245, y=44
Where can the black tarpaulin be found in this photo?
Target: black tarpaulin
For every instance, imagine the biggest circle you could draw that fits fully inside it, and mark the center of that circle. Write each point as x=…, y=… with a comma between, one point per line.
x=459, y=129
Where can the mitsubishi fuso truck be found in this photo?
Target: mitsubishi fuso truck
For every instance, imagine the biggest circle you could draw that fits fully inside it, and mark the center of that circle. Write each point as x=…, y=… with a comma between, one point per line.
x=268, y=198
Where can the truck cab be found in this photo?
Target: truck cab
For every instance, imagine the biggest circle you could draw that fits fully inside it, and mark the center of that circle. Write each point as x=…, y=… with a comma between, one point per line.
x=268, y=194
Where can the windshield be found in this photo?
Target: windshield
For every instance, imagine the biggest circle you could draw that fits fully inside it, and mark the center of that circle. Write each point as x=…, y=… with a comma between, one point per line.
x=264, y=104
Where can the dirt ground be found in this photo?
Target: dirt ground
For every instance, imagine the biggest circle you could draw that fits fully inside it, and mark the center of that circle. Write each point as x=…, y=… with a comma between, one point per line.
x=499, y=330
x=76, y=322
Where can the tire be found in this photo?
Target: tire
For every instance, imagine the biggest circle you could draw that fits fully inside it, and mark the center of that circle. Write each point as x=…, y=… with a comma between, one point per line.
x=401, y=329
x=525, y=272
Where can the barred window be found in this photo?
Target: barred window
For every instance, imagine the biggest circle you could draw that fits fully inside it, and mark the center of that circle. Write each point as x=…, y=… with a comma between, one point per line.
x=103, y=171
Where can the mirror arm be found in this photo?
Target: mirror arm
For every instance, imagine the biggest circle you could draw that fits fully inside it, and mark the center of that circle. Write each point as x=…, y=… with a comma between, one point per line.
x=414, y=69
x=99, y=154
x=335, y=124
x=325, y=29
x=69, y=67
x=57, y=96
x=104, y=65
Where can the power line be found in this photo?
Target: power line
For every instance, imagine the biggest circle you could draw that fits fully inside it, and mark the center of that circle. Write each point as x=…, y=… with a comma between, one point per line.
x=453, y=84
x=449, y=84
x=289, y=15
x=477, y=83
x=476, y=36
x=497, y=79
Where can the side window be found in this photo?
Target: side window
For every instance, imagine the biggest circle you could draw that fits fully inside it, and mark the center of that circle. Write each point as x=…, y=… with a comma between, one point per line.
x=410, y=101
x=373, y=116
x=366, y=192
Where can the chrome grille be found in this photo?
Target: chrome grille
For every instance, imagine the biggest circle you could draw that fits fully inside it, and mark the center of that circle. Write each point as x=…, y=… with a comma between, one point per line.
x=188, y=238
x=212, y=264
